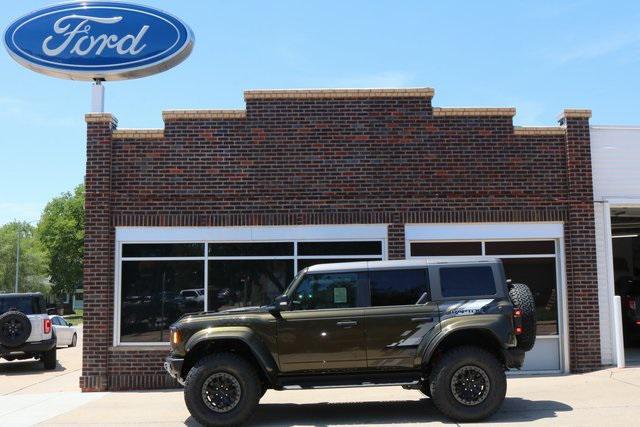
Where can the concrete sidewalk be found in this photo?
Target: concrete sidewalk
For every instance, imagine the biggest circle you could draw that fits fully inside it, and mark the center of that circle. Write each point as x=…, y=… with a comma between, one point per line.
x=610, y=397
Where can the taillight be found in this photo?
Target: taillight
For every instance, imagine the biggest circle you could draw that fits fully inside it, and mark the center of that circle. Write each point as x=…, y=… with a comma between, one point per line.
x=47, y=326
x=517, y=320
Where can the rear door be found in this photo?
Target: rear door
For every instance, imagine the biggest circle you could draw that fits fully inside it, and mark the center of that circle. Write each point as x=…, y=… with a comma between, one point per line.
x=400, y=315
x=324, y=330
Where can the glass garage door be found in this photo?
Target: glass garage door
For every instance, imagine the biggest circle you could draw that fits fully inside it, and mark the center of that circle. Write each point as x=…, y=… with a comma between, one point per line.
x=533, y=262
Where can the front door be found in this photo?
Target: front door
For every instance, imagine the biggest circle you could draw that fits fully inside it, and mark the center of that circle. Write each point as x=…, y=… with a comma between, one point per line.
x=400, y=316
x=324, y=329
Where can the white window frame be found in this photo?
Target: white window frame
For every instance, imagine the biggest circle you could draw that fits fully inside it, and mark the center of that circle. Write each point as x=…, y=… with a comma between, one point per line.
x=495, y=232
x=249, y=234
x=607, y=205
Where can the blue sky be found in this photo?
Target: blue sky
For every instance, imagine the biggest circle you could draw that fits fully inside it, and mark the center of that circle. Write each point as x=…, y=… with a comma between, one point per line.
x=539, y=57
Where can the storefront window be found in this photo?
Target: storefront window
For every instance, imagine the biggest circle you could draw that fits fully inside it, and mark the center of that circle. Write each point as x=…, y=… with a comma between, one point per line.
x=152, y=297
x=162, y=281
x=241, y=283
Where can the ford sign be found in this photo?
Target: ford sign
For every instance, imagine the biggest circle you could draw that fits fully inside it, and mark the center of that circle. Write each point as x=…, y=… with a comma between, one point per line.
x=98, y=40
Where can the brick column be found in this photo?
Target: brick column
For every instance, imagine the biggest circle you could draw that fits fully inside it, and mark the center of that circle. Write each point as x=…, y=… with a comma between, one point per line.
x=395, y=241
x=98, y=254
x=582, y=282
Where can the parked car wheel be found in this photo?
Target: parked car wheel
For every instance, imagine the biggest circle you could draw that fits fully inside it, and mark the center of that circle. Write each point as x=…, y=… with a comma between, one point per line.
x=222, y=390
x=74, y=340
x=522, y=298
x=50, y=359
x=468, y=384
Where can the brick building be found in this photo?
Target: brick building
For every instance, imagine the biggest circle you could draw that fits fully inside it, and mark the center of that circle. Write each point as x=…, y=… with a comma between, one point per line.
x=221, y=208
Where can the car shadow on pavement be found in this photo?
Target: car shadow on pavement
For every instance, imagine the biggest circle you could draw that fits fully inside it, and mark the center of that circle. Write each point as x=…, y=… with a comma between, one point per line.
x=26, y=367
x=386, y=413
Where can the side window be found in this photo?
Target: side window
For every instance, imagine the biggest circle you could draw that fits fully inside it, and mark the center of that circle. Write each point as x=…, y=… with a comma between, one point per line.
x=399, y=287
x=56, y=321
x=329, y=290
x=467, y=281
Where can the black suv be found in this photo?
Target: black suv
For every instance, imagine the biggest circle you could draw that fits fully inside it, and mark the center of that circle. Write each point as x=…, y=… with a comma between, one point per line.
x=26, y=331
x=447, y=327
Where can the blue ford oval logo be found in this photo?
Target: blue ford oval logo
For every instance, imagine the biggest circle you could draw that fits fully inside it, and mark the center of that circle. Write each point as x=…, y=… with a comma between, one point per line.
x=98, y=40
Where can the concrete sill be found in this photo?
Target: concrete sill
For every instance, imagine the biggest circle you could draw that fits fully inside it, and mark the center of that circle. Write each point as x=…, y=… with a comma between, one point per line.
x=152, y=347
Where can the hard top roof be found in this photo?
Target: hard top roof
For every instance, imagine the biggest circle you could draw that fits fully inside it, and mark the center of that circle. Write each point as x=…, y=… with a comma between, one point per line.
x=405, y=263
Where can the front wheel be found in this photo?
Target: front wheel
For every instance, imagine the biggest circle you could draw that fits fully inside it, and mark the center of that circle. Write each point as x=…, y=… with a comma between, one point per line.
x=74, y=340
x=222, y=390
x=468, y=384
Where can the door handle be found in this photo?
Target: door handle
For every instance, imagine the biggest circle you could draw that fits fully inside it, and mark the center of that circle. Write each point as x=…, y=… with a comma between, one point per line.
x=422, y=319
x=346, y=323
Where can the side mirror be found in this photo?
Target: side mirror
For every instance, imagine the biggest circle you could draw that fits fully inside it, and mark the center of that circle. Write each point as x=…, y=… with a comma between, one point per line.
x=281, y=303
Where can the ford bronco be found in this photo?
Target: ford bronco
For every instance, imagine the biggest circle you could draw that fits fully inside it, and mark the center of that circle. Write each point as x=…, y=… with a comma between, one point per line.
x=26, y=331
x=448, y=327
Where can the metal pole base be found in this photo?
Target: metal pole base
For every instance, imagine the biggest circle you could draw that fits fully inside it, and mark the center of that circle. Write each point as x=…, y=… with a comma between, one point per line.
x=97, y=97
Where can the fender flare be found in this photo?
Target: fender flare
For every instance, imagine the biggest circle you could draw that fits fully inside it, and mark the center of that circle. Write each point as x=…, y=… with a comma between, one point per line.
x=487, y=324
x=238, y=333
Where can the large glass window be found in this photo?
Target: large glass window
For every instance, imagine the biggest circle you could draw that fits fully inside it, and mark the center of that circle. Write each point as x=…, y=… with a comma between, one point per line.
x=466, y=281
x=446, y=248
x=162, y=281
x=532, y=262
x=151, y=298
x=330, y=290
x=240, y=283
x=398, y=287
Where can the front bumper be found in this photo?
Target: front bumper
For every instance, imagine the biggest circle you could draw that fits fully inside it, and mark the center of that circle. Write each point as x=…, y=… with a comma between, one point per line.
x=173, y=365
x=30, y=347
x=513, y=357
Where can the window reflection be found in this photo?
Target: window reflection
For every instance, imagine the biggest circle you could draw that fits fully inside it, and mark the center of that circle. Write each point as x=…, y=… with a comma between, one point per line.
x=153, y=297
x=241, y=283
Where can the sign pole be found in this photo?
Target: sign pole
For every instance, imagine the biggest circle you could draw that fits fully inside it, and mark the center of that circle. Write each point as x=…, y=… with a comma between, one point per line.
x=97, y=96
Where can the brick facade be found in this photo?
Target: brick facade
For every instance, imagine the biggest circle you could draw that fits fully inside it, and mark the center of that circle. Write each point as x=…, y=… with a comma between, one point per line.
x=331, y=157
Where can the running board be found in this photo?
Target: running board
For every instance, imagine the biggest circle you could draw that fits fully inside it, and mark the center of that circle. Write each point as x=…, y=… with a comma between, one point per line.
x=320, y=381
x=315, y=387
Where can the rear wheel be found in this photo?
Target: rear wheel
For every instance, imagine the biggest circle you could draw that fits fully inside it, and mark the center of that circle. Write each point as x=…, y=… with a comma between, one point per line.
x=50, y=359
x=468, y=384
x=222, y=390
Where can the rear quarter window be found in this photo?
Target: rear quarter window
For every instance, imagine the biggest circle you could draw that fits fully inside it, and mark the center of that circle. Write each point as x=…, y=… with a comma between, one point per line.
x=467, y=281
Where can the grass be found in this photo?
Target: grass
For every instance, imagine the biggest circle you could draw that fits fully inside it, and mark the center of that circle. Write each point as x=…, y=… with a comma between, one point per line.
x=76, y=318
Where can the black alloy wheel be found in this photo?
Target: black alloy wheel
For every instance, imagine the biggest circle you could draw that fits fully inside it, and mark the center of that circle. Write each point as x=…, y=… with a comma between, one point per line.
x=470, y=385
x=221, y=392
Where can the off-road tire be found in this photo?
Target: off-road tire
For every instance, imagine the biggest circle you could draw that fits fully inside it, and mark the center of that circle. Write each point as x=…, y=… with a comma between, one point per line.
x=440, y=383
x=50, y=359
x=74, y=340
x=15, y=328
x=522, y=298
x=245, y=374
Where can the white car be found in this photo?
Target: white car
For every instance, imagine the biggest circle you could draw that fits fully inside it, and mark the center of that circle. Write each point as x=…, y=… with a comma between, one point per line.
x=65, y=332
x=193, y=294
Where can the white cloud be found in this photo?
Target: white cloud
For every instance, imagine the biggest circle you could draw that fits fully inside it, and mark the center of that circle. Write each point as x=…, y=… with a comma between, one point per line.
x=597, y=48
x=19, y=211
x=20, y=111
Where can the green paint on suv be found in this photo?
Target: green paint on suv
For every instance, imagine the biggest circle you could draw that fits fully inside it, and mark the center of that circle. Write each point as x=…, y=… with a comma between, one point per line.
x=448, y=327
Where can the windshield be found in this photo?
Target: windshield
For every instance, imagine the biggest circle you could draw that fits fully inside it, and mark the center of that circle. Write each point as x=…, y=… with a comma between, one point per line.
x=295, y=281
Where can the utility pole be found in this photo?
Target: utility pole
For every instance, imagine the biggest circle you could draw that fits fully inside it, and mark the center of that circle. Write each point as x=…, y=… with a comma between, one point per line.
x=18, y=255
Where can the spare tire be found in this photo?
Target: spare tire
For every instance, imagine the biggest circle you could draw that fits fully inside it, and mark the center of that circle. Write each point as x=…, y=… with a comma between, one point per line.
x=15, y=328
x=522, y=298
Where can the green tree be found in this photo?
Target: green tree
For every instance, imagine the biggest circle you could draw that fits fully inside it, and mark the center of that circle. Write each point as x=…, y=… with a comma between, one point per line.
x=61, y=234
x=33, y=272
